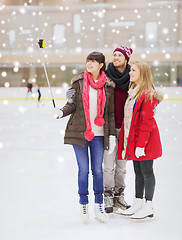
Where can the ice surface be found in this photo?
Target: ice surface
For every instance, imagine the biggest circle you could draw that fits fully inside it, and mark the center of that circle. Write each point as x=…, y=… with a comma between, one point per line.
x=38, y=179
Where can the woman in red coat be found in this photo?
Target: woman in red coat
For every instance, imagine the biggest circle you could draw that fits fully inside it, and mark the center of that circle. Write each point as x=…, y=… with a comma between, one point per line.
x=139, y=138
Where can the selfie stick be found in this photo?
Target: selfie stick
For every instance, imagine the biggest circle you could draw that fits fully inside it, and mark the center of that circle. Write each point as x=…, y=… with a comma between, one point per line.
x=41, y=44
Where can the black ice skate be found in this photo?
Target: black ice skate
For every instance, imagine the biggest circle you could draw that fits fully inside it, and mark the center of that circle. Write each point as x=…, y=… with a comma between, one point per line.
x=119, y=201
x=108, y=201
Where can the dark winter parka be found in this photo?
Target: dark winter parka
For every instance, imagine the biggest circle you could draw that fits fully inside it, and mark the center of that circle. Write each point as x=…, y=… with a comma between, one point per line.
x=76, y=125
x=143, y=132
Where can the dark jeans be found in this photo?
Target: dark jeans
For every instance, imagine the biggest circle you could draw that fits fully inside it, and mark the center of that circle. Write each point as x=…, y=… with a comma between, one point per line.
x=144, y=179
x=96, y=154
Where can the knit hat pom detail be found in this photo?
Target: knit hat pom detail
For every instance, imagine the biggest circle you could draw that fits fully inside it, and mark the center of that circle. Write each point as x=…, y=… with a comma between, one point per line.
x=89, y=135
x=99, y=121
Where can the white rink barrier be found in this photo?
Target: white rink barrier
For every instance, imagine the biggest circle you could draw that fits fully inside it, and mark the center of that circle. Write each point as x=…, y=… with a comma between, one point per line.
x=59, y=93
x=20, y=93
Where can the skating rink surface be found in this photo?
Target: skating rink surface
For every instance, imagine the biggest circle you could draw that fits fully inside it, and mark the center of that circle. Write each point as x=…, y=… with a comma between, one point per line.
x=38, y=177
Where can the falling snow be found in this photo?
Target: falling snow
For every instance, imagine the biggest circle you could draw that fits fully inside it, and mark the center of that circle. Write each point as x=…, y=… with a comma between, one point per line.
x=38, y=172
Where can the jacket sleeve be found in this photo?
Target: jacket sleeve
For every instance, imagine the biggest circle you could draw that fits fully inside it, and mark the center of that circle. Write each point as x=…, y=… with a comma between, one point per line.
x=111, y=117
x=146, y=122
x=121, y=142
x=70, y=106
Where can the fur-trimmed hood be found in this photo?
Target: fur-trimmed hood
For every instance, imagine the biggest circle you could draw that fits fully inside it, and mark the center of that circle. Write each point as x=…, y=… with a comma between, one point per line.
x=159, y=96
x=109, y=82
x=156, y=94
x=77, y=77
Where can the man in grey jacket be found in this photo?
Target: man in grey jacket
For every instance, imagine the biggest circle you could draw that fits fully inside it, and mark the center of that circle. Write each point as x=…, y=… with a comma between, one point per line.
x=115, y=170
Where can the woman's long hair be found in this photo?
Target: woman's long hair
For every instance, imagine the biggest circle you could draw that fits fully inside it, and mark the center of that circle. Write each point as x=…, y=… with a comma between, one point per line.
x=145, y=81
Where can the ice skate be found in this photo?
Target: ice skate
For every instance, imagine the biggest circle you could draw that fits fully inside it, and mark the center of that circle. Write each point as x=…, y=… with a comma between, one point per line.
x=108, y=201
x=119, y=201
x=135, y=207
x=84, y=213
x=99, y=212
x=145, y=212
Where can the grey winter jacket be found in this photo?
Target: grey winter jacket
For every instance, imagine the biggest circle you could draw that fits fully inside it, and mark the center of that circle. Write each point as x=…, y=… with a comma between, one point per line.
x=76, y=125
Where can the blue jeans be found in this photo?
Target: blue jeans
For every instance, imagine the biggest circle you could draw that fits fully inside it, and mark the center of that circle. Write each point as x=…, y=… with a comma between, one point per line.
x=96, y=153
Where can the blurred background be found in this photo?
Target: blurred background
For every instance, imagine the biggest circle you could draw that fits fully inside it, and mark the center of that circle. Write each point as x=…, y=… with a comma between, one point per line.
x=72, y=29
x=38, y=199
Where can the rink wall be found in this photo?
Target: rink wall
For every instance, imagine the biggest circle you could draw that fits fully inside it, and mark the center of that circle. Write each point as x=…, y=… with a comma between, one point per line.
x=20, y=93
x=59, y=93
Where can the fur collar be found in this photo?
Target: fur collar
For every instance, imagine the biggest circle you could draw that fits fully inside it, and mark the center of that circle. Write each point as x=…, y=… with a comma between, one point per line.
x=159, y=96
x=78, y=77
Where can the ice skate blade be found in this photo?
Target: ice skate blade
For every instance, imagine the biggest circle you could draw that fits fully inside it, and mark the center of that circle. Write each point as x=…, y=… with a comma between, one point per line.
x=115, y=209
x=120, y=212
x=119, y=206
x=101, y=220
x=145, y=219
x=84, y=221
x=125, y=216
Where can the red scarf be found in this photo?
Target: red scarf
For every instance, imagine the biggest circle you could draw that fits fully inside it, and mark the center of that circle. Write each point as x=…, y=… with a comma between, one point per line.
x=99, y=121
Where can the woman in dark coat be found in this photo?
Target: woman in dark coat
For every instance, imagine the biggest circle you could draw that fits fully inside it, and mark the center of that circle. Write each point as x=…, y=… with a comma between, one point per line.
x=91, y=126
x=139, y=138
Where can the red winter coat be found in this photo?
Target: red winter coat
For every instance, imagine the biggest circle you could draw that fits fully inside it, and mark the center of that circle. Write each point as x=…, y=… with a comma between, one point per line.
x=143, y=132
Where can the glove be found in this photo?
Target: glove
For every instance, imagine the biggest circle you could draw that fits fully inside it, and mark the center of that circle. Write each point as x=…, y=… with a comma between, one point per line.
x=139, y=152
x=70, y=93
x=112, y=143
x=58, y=113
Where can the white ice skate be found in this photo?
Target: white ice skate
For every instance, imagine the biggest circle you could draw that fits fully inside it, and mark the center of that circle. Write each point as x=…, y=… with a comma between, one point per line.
x=84, y=213
x=99, y=212
x=146, y=212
